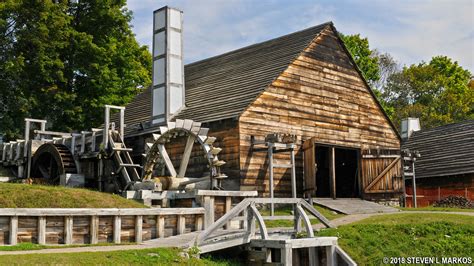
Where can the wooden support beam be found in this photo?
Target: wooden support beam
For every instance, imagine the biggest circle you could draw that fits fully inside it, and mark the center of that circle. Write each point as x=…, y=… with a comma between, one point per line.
x=261, y=222
x=42, y=230
x=181, y=224
x=139, y=229
x=270, y=175
x=210, y=212
x=94, y=229
x=13, y=230
x=331, y=258
x=306, y=221
x=228, y=206
x=332, y=172
x=160, y=226
x=166, y=159
x=293, y=173
x=199, y=223
x=286, y=257
x=117, y=228
x=186, y=155
x=68, y=224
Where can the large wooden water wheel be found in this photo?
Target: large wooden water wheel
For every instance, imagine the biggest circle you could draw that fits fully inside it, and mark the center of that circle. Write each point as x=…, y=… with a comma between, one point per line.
x=51, y=161
x=193, y=134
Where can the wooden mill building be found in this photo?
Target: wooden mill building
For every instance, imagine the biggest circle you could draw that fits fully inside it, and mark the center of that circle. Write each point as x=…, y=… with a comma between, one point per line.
x=446, y=165
x=304, y=84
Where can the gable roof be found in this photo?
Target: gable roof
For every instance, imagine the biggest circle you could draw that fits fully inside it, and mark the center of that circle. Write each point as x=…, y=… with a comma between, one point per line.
x=445, y=150
x=222, y=86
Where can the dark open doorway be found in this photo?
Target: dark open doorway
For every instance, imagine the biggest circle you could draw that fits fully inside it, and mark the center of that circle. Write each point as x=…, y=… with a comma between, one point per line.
x=346, y=171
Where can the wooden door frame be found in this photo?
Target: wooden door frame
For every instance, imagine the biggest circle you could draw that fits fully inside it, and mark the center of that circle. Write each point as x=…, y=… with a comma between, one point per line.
x=359, y=164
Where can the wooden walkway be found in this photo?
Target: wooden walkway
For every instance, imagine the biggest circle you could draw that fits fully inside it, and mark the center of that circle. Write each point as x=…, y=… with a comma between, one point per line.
x=353, y=206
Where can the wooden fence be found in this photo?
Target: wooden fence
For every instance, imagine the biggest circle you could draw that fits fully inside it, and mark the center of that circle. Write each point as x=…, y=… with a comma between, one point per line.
x=92, y=226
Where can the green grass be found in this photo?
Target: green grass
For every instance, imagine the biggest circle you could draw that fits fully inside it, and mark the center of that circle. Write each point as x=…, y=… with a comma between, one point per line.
x=37, y=196
x=156, y=256
x=329, y=214
x=406, y=235
x=32, y=246
x=441, y=209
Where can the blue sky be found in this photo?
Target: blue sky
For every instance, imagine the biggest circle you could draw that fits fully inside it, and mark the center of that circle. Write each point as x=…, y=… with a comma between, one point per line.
x=411, y=31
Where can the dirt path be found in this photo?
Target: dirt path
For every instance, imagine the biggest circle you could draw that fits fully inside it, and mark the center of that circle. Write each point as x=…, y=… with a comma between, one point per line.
x=184, y=240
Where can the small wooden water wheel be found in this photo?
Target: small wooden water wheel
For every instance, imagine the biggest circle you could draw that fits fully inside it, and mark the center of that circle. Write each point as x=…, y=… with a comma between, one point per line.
x=194, y=134
x=50, y=161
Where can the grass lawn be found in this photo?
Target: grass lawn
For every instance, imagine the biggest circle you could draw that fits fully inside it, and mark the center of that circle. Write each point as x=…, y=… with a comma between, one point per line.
x=442, y=209
x=32, y=246
x=329, y=214
x=406, y=235
x=37, y=196
x=156, y=256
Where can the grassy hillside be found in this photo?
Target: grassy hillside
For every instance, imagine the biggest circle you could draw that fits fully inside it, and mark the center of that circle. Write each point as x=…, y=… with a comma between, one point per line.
x=36, y=196
x=406, y=235
x=157, y=256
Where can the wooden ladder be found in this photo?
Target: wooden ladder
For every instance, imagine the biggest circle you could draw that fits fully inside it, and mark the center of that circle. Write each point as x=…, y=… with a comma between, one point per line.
x=122, y=158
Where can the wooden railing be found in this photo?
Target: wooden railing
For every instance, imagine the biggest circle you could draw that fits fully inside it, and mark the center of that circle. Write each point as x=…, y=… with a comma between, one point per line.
x=91, y=226
x=247, y=208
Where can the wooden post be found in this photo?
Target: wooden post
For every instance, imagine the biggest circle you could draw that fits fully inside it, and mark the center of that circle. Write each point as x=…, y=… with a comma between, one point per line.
x=181, y=224
x=122, y=122
x=199, y=223
x=13, y=230
x=117, y=228
x=210, y=212
x=139, y=228
x=270, y=173
x=287, y=255
x=105, y=139
x=313, y=256
x=293, y=172
x=94, y=229
x=160, y=226
x=228, y=206
x=250, y=222
x=42, y=230
x=331, y=258
x=68, y=224
x=332, y=172
x=413, y=183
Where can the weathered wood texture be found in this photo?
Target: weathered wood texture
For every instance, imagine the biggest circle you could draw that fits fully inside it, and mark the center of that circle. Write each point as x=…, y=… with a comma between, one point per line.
x=84, y=226
x=319, y=95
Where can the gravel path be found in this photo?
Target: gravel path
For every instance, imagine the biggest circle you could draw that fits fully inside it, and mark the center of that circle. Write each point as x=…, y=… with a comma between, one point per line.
x=183, y=240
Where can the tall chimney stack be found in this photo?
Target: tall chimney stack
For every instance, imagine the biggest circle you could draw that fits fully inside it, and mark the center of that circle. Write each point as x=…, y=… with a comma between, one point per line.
x=168, y=67
x=409, y=125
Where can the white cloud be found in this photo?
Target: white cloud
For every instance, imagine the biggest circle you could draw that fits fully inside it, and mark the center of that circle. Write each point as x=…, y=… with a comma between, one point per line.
x=411, y=31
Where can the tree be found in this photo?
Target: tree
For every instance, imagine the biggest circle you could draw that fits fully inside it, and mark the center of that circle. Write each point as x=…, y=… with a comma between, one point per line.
x=63, y=61
x=363, y=56
x=437, y=92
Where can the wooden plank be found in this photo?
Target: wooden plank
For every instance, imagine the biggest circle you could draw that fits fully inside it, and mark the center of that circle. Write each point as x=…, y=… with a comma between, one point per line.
x=199, y=223
x=287, y=255
x=160, y=224
x=223, y=193
x=186, y=155
x=306, y=221
x=181, y=224
x=379, y=176
x=13, y=232
x=228, y=207
x=42, y=230
x=68, y=225
x=210, y=211
x=117, y=228
x=332, y=172
x=94, y=229
x=166, y=159
x=99, y=212
x=138, y=228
